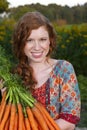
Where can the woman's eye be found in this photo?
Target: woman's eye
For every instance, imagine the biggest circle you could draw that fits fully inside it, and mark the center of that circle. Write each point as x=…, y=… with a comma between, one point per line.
x=43, y=39
x=30, y=40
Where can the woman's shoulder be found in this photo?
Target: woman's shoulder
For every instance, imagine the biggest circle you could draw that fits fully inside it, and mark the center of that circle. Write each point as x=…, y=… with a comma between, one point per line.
x=61, y=63
x=62, y=66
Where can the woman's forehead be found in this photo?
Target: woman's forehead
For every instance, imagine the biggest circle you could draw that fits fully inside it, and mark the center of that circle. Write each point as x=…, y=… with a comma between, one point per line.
x=41, y=31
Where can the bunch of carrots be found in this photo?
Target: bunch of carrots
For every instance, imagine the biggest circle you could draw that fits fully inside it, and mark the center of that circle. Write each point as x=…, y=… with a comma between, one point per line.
x=19, y=110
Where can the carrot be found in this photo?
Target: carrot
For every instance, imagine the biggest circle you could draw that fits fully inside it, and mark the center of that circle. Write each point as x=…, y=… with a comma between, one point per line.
x=16, y=122
x=45, y=118
x=2, y=110
x=39, y=117
x=5, y=116
x=48, y=122
x=36, y=122
x=3, y=105
x=20, y=115
x=7, y=125
x=24, y=128
x=42, y=108
x=12, y=116
x=39, y=127
x=31, y=119
x=27, y=123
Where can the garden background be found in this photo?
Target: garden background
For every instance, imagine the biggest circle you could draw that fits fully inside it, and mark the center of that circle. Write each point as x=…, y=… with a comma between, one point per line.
x=70, y=24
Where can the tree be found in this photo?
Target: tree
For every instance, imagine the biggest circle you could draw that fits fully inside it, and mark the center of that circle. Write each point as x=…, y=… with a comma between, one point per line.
x=3, y=5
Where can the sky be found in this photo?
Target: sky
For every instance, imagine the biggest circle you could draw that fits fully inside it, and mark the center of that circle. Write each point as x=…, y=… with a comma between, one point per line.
x=70, y=3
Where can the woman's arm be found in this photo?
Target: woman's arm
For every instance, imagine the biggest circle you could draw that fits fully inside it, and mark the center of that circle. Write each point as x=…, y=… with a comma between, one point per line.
x=65, y=125
x=69, y=99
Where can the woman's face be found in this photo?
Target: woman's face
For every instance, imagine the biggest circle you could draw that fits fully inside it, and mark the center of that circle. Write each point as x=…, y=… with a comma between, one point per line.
x=37, y=45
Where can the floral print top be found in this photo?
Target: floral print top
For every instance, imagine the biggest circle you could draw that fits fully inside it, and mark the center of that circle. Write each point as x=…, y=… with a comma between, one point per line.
x=60, y=93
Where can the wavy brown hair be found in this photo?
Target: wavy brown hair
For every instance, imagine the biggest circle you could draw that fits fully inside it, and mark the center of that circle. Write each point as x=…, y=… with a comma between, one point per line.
x=28, y=22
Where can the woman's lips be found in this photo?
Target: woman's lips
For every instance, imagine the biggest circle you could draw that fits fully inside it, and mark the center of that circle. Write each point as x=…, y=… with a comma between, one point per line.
x=37, y=54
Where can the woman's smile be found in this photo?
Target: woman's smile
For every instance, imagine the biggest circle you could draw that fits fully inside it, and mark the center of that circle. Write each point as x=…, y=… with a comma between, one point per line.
x=37, y=54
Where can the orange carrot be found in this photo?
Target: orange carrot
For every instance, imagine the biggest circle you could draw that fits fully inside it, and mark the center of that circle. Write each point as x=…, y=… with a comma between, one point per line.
x=48, y=122
x=45, y=118
x=31, y=119
x=39, y=127
x=12, y=117
x=20, y=115
x=42, y=108
x=27, y=123
x=24, y=128
x=5, y=116
x=38, y=115
x=7, y=125
x=3, y=105
x=2, y=110
x=16, y=122
x=36, y=122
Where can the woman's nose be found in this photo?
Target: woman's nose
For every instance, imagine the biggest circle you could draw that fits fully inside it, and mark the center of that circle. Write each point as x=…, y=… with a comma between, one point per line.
x=36, y=45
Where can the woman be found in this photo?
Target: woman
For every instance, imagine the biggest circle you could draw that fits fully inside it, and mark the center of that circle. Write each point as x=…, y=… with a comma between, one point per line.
x=52, y=82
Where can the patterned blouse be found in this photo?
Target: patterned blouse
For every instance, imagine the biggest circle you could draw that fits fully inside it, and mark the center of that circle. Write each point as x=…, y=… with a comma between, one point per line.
x=60, y=93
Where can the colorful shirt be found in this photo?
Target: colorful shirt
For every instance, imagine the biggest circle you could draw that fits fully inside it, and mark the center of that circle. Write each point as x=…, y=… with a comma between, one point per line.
x=60, y=93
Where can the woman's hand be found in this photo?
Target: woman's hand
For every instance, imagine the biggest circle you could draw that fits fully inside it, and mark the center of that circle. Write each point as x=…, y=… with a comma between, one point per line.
x=2, y=90
x=65, y=125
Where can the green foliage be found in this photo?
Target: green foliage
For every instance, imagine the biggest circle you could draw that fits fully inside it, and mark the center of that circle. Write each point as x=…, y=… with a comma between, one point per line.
x=74, y=15
x=16, y=13
x=3, y=5
x=6, y=59
x=83, y=90
x=6, y=30
x=72, y=46
x=83, y=121
x=83, y=87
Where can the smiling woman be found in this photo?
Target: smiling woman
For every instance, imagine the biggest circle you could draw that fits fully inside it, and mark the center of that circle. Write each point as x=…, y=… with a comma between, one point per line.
x=51, y=81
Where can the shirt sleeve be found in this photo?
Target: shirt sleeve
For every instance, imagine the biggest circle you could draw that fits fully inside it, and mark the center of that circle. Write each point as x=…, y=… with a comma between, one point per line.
x=69, y=95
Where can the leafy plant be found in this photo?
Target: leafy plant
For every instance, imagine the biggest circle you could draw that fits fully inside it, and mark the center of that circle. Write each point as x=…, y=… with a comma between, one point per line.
x=83, y=90
x=72, y=46
x=83, y=87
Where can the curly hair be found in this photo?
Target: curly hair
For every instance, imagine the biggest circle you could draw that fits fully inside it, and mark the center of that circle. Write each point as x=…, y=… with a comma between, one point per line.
x=28, y=22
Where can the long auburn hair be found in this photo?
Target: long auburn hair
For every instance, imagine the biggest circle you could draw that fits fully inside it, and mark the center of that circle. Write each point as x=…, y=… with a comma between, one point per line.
x=28, y=22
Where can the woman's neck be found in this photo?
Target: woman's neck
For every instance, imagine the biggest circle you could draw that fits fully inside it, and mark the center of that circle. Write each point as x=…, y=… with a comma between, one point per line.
x=39, y=66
